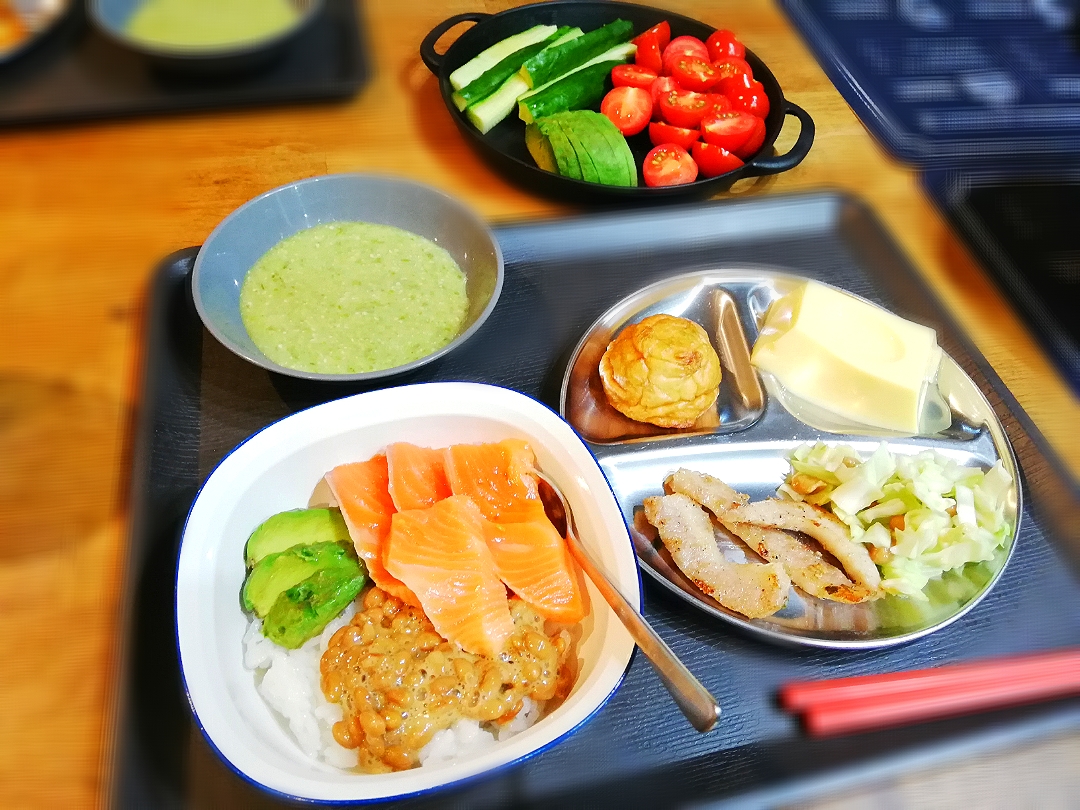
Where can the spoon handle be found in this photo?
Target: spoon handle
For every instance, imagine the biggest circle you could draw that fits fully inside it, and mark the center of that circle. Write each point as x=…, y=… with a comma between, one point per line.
x=700, y=708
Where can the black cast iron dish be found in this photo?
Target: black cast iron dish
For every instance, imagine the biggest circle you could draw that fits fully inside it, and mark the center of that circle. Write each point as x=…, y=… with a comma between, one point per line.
x=504, y=145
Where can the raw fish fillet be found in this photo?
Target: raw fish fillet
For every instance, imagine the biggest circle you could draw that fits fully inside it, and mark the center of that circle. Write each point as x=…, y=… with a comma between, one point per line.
x=362, y=493
x=752, y=589
x=441, y=554
x=534, y=562
x=417, y=476
x=498, y=476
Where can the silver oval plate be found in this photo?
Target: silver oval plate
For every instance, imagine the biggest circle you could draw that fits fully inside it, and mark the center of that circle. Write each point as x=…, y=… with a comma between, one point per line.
x=745, y=441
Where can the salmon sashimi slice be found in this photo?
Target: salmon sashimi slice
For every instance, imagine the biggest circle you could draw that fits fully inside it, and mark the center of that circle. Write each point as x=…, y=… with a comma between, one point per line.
x=497, y=476
x=441, y=554
x=362, y=492
x=534, y=562
x=417, y=476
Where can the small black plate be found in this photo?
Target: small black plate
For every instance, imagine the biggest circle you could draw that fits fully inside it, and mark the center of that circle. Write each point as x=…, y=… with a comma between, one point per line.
x=504, y=145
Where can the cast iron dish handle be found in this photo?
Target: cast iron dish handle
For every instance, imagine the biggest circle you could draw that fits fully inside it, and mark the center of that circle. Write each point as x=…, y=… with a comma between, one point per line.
x=432, y=59
x=774, y=164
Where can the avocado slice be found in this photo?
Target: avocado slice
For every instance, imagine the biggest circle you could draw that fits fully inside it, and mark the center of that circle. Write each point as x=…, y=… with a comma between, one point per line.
x=588, y=169
x=277, y=572
x=610, y=168
x=295, y=527
x=540, y=149
x=619, y=147
x=565, y=157
x=302, y=611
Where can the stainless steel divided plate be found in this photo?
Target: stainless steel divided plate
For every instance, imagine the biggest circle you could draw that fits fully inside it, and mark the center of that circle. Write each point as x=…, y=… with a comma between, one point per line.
x=745, y=441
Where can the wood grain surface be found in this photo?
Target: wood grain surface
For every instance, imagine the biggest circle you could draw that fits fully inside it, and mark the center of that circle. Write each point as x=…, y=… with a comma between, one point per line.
x=88, y=210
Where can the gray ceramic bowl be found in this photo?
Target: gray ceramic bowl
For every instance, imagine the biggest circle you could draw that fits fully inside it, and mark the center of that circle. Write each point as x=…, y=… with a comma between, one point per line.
x=111, y=18
x=255, y=227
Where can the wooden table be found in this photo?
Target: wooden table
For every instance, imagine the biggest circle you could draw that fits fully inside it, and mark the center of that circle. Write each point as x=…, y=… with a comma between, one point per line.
x=88, y=210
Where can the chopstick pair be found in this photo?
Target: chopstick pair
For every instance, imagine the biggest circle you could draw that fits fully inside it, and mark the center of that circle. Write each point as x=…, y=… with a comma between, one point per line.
x=848, y=705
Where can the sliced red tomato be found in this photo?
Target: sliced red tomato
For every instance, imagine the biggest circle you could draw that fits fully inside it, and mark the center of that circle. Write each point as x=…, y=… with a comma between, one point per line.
x=632, y=76
x=648, y=54
x=629, y=108
x=731, y=67
x=716, y=103
x=683, y=108
x=728, y=129
x=754, y=142
x=663, y=86
x=669, y=165
x=684, y=46
x=661, y=32
x=722, y=44
x=746, y=94
x=714, y=160
x=693, y=73
x=661, y=133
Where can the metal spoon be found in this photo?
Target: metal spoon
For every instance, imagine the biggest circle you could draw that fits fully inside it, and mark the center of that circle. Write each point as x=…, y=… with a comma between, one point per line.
x=700, y=708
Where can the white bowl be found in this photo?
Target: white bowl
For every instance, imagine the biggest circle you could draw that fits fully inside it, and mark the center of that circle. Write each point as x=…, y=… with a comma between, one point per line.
x=277, y=469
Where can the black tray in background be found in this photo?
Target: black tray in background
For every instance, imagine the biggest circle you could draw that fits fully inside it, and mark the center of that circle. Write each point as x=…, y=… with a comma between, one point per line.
x=199, y=401
x=76, y=74
x=1021, y=222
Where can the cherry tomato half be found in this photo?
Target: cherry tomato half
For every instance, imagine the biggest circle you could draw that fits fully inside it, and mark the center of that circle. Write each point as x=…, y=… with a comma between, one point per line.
x=685, y=46
x=661, y=32
x=754, y=142
x=746, y=94
x=683, y=108
x=661, y=133
x=714, y=160
x=648, y=53
x=728, y=129
x=716, y=103
x=669, y=165
x=663, y=86
x=629, y=108
x=632, y=76
x=693, y=73
x=732, y=67
x=722, y=44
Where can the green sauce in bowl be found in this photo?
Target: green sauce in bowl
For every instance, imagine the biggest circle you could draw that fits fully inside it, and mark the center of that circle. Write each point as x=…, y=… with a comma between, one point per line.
x=353, y=297
x=210, y=23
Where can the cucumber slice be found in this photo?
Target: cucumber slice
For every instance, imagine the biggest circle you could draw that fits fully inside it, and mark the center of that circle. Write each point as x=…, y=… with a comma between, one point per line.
x=483, y=86
x=490, y=111
x=557, y=61
x=493, y=109
x=576, y=89
x=566, y=158
x=488, y=58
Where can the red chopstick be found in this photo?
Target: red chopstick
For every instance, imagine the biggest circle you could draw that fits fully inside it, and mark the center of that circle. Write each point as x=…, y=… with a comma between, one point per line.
x=848, y=705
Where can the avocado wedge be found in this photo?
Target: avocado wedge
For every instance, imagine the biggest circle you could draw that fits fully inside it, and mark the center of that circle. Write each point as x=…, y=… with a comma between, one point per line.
x=610, y=168
x=302, y=611
x=277, y=572
x=295, y=527
x=566, y=159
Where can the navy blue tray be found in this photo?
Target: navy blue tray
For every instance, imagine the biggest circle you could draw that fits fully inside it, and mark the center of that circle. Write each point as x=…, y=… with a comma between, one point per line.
x=199, y=401
x=75, y=74
x=944, y=82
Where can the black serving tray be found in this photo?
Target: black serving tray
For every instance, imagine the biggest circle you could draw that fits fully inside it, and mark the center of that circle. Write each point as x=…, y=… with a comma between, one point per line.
x=199, y=401
x=77, y=74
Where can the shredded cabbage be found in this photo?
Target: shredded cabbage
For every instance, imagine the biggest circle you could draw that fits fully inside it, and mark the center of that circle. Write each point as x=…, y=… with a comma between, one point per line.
x=923, y=515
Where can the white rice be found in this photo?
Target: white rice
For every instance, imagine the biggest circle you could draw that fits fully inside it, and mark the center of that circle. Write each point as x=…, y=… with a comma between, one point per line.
x=289, y=681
